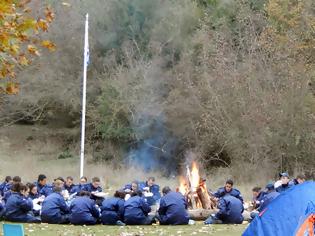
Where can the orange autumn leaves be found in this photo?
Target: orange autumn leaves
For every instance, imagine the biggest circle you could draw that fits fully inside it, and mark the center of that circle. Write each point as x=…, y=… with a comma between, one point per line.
x=19, y=39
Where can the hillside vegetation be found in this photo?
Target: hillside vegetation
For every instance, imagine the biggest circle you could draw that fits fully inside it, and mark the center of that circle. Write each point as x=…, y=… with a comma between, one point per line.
x=229, y=82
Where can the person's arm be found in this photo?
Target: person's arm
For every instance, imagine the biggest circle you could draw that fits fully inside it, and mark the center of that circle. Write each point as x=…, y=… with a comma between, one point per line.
x=121, y=209
x=162, y=209
x=94, y=210
x=222, y=209
x=219, y=193
x=63, y=206
x=156, y=192
x=26, y=205
x=145, y=206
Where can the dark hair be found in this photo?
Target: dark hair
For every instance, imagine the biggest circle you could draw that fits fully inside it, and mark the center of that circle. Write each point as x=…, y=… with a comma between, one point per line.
x=41, y=177
x=96, y=179
x=229, y=181
x=166, y=190
x=16, y=187
x=60, y=178
x=57, y=189
x=8, y=178
x=256, y=189
x=17, y=179
x=120, y=194
x=151, y=178
x=84, y=193
x=23, y=187
x=30, y=185
x=69, y=177
x=83, y=177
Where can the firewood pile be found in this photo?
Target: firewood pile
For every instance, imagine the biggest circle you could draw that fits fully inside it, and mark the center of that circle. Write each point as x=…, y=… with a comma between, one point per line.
x=201, y=203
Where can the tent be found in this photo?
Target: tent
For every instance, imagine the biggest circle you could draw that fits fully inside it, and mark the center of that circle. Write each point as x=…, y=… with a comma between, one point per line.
x=291, y=213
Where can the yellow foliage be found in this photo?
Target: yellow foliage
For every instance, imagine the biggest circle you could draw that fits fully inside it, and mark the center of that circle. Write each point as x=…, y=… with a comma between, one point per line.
x=19, y=38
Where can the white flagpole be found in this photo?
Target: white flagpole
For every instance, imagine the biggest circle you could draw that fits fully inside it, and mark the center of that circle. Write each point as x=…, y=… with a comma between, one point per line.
x=85, y=64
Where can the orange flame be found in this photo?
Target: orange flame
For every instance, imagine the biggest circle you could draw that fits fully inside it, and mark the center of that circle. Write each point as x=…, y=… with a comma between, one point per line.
x=195, y=178
x=182, y=185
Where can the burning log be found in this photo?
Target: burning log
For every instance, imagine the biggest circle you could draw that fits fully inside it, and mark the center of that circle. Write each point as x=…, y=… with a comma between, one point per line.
x=200, y=202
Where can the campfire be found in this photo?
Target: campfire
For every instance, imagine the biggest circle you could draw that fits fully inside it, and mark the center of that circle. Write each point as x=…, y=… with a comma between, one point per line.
x=194, y=188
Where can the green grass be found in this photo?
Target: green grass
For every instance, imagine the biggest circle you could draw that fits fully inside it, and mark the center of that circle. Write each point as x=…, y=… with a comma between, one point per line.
x=100, y=230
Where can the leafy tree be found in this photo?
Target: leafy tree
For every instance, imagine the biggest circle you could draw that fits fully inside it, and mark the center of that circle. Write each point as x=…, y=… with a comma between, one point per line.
x=19, y=39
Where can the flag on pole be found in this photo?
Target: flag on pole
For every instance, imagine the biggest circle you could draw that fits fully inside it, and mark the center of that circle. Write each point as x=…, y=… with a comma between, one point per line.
x=85, y=64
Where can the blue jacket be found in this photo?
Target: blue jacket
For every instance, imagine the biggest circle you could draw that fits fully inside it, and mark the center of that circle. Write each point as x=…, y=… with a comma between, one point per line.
x=17, y=209
x=267, y=199
x=155, y=189
x=221, y=192
x=44, y=190
x=112, y=210
x=230, y=210
x=259, y=198
x=77, y=188
x=71, y=189
x=4, y=187
x=53, y=207
x=83, y=211
x=172, y=209
x=136, y=210
x=283, y=188
x=6, y=196
x=90, y=188
x=33, y=196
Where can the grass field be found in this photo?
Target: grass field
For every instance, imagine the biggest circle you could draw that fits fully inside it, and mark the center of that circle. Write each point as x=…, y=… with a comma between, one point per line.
x=100, y=230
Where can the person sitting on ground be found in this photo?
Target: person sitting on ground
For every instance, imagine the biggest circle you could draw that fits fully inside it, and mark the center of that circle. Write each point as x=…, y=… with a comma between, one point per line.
x=83, y=210
x=285, y=183
x=42, y=187
x=54, y=208
x=69, y=186
x=113, y=209
x=136, y=210
x=230, y=211
x=228, y=190
x=270, y=195
x=173, y=208
x=300, y=179
x=151, y=191
x=133, y=187
x=7, y=188
x=258, y=195
x=94, y=187
x=7, y=182
x=78, y=188
x=33, y=194
x=19, y=207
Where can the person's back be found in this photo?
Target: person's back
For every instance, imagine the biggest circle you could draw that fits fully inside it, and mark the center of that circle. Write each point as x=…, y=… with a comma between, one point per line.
x=18, y=206
x=136, y=211
x=268, y=198
x=54, y=208
x=112, y=210
x=83, y=210
x=230, y=210
x=173, y=209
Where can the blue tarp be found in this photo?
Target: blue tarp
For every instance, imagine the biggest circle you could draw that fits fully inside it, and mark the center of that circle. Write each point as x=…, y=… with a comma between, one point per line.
x=285, y=214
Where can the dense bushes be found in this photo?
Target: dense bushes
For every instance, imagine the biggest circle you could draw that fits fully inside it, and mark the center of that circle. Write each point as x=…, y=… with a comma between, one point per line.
x=230, y=80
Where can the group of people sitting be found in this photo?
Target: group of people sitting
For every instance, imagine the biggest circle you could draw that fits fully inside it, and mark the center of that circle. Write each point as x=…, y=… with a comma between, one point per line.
x=85, y=204
x=63, y=202
x=231, y=203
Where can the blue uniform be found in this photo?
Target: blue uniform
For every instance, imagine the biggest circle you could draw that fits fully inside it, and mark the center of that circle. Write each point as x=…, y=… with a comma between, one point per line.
x=136, y=211
x=155, y=189
x=172, y=209
x=71, y=189
x=17, y=209
x=6, y=196
x=77, y=188
x=44, y=189
x=283, y=187
x=83, y=211
x=33, y=196
x=267, y=199
x=90, y=188
x=230, y=210
x=259, y=198
x=234, y=192
x=55, y=209
x=5, y=186
x=112, y=210
x=2, y=210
